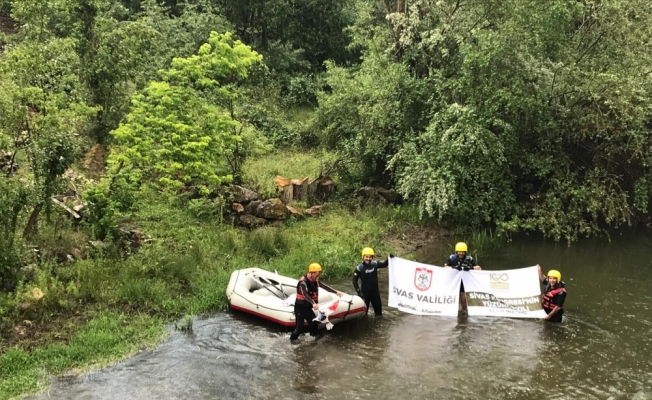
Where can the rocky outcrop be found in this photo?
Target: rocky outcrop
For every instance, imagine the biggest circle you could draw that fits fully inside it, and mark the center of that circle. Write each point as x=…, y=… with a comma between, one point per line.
x=243, y=195
x=252, y=206
x=271, y=209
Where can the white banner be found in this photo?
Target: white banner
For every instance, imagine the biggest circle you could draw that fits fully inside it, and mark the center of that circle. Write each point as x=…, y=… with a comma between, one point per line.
x=512, y=293
x=423, y=289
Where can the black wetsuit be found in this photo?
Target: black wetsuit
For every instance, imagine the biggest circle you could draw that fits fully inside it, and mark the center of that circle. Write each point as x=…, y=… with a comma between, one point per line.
x=307, y=295
x=465, y=264
x=368, y=274
x=554, y=296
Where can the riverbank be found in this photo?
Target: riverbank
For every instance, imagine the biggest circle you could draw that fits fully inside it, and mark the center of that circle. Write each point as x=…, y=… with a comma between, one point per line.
x=96, y=311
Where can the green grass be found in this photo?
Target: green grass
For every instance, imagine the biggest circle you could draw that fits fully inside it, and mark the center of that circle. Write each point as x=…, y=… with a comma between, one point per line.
x=182, y=273
x=259, y=174
x=108, y=337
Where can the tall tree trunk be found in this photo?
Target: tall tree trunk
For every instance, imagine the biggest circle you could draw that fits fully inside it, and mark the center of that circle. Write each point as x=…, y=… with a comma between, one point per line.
x=32, y=224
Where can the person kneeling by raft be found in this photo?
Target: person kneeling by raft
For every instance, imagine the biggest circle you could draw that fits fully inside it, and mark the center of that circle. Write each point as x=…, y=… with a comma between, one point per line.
x=307, y=301
x=554, y=295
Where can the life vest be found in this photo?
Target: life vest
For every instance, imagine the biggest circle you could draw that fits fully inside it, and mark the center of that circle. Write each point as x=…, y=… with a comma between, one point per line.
x=461, y=264
x=313, y=290
x=546, y=300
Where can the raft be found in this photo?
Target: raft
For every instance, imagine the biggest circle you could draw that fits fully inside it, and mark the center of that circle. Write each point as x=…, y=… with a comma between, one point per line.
x=271, y=296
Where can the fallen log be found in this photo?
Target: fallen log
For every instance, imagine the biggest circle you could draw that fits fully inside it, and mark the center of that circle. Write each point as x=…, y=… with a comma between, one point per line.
x=66, y=208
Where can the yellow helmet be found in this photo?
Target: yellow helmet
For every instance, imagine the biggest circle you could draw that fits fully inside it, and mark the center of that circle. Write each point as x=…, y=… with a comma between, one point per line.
x=314, y=267
x=555, y=273
x=368, y=251
x=461, y=246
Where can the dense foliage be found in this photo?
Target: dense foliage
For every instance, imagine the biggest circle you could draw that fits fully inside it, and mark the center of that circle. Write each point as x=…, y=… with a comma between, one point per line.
x=516, y=115
x=519, y=114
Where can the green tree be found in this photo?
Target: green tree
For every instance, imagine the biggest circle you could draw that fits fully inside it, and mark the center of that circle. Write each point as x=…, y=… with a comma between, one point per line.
x=44, y=114
x=558, y=93
x=178, y=135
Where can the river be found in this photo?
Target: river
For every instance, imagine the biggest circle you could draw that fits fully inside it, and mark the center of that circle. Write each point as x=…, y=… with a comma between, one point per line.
x=602, y=350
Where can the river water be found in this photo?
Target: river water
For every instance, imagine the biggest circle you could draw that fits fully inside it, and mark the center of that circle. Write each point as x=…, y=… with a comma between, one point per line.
x=602, y=350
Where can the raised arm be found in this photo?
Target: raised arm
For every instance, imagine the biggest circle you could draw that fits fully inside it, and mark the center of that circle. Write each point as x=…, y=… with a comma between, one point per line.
x=542, y=277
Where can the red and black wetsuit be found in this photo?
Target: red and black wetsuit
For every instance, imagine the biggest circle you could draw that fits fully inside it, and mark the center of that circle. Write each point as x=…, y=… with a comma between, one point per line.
x=307, y=295
x=554, y=296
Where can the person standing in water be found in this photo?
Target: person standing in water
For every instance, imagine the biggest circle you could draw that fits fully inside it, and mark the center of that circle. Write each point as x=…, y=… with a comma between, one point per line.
x=554, y=295
x=308, y=300
x=367, y=272
x=462, y=262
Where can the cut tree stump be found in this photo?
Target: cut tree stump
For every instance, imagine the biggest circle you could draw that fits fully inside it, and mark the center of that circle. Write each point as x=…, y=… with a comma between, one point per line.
x=300, y=186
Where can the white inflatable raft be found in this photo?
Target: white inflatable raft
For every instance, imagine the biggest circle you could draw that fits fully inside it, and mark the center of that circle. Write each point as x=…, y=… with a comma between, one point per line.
x=271, y=296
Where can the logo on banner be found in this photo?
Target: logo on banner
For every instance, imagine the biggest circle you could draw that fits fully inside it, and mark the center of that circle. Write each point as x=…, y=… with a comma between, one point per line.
x=499, y=281
x=422, y=278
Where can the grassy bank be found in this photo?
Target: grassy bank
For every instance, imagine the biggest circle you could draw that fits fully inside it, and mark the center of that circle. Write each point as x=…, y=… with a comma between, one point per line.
x=103, y=308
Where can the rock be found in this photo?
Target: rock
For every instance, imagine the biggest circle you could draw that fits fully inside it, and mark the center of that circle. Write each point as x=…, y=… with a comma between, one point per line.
x=78, y=208
x=314, y=211
x=271, y=209
x=251, y=207
x=295, y=211
x=390, y=195
x=237, y=207
x=251, y=222
x=367, y=192
x=77, y=253
x=70, y=258
x=36, y=294
x=243, y=195
x=98, y=244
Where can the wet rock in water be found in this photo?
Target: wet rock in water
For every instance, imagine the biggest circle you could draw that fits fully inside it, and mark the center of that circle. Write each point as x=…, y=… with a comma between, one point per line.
x=251, y=222
x=243, y=195
x=272, y=209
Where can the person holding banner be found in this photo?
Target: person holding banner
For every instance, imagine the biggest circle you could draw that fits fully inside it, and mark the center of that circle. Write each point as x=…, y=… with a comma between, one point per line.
x=554, y=295
x=367, y=272
x=307, y=301
x=462, y=262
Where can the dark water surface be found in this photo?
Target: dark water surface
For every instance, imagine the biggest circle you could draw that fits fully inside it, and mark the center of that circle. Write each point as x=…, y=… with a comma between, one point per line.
x=603, y=349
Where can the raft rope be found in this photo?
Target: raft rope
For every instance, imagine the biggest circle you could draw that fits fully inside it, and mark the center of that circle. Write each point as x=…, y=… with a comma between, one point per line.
x=348, y=311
